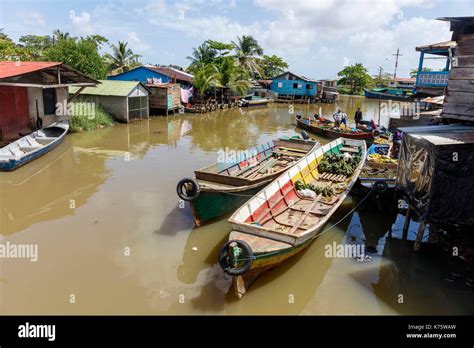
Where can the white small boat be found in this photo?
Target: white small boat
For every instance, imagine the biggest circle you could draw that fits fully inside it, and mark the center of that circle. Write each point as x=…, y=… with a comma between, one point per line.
x=32, y=146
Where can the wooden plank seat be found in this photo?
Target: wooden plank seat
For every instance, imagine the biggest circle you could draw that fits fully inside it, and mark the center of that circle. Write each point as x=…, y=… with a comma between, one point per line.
x=29, y=148
x=349, y=149
x=45, y=140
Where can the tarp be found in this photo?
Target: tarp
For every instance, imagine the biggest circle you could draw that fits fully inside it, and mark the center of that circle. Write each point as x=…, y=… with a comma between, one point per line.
x=436, y=171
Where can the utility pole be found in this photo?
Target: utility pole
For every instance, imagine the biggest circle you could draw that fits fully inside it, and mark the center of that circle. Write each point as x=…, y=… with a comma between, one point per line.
x=396, y=62
x=380, y=72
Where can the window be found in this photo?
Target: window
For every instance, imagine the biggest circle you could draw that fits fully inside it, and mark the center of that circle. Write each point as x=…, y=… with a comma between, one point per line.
x=49, y=101
x=137, y=107
x=280, y=84
x=308, y=86
x=295, y=85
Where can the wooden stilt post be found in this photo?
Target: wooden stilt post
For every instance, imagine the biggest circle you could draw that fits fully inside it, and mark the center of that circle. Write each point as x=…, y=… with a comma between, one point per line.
x=419, y=236
x=406, y=225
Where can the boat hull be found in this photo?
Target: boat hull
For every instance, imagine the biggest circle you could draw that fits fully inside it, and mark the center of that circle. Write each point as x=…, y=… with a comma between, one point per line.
x=326, y=132
x=210, y=205
x=14, y=164
x=384, y=96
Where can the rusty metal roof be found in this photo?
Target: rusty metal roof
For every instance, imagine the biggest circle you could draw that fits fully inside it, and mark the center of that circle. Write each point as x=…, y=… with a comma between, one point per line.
x=9, y=69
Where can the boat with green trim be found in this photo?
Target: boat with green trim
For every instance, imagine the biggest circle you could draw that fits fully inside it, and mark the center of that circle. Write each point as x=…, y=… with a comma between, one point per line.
x=287, y=215
x=225, y=185
x=388, y=93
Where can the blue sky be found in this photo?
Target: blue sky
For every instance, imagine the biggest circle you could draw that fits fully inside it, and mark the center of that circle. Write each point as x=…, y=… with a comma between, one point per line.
x=316, y=37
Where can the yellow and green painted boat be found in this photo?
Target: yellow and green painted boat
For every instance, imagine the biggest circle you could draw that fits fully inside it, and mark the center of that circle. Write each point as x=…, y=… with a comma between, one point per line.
x=282, y=219
x=224, y=186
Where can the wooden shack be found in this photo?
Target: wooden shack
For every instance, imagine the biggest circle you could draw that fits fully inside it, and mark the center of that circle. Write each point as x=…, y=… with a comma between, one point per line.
x=165, y=97
x=35, y=92
x=459, y=102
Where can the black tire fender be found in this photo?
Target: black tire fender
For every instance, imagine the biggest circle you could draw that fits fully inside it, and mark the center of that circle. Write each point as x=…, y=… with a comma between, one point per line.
x=375, y=133
x=380, y=186
x=192, y=189
x=247, y=255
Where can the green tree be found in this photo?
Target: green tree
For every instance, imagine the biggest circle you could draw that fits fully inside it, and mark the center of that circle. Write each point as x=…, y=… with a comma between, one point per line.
x=36, y=44
x=356, y=76
x=414, y=72
x=122, y=57
x=247, y=51
x=221, y=48
x=204, y=78
x=201, y=56
x=11, y=51
x=81, y=54
x=60, y=35
x=273, y=66
x=227, y=74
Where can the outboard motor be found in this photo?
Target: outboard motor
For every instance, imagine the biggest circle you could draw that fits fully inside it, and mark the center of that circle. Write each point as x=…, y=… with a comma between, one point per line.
x=304, y=135
x=298, y=117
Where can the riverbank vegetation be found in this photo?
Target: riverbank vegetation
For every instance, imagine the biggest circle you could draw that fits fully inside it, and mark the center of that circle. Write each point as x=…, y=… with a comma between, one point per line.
x=85, y=122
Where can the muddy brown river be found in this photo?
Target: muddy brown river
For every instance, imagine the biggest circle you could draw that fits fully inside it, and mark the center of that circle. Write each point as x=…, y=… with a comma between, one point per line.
x=113, y=239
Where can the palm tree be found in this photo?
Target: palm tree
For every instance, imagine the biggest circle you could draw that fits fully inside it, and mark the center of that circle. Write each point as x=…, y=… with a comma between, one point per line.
x=60, y=35
x=227, y=74
x=122, y=58
x=201, y=56
x=247, y=51
x=204, y=78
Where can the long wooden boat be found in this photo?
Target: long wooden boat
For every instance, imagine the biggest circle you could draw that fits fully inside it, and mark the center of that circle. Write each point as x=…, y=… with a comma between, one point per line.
x=280, y=222
x=32, y=146
x=224, y=186
x=387, y=94
x=332, y=132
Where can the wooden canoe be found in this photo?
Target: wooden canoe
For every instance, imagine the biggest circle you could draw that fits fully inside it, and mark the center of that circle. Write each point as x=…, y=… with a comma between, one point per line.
x=331, y=132
x=278, y=222
x=32, y=146
x=224, y=186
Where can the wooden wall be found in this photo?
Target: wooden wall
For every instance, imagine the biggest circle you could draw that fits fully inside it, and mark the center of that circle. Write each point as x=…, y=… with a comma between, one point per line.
x=167, y=97
x=459, y=103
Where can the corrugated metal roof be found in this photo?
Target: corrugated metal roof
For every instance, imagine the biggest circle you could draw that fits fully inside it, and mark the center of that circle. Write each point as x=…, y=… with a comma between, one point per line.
x=9, y=69
x=116, y=88
x=173, y=73
x=437, y=46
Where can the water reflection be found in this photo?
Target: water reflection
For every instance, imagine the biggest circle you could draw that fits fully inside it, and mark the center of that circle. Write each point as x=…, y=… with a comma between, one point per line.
x=127, y=246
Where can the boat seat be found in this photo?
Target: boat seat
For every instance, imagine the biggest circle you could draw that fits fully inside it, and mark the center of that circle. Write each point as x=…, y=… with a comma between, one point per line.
x=349, y=149
x=45, y=140
x=29, y=148
x=16, y=151
x=32, y=142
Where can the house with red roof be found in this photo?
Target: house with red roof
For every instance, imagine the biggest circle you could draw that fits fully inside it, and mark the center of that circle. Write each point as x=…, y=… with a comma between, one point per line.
x=34, y=94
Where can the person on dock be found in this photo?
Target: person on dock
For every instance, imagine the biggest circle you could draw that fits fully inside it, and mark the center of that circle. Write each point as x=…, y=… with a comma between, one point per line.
x=358, y=117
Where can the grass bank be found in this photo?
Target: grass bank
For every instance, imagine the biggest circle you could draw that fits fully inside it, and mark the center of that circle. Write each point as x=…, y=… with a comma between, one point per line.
x=92, y=119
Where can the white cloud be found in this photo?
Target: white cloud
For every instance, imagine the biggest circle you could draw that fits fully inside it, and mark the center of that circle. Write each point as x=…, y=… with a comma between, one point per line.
x=31, y=18
x=82, y=23
x=136, y=44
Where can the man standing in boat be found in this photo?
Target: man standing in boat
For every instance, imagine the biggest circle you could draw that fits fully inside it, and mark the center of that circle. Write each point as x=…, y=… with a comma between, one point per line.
x=358, y=117
x=339, y=117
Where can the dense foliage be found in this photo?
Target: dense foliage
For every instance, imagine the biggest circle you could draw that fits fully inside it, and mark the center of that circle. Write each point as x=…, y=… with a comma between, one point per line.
x=356, y=77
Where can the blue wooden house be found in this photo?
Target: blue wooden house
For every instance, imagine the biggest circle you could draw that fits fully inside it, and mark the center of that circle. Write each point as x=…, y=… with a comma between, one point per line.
x=294, y=86
x=150, y=74
x=433, y=83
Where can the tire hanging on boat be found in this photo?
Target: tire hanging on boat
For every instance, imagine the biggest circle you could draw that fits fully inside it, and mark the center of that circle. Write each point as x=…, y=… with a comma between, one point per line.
x=380, y=186
x=191, y=189
x=245, y=254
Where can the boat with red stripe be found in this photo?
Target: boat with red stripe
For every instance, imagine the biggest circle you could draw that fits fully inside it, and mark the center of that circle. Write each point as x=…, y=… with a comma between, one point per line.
x=286, y=216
